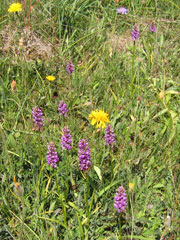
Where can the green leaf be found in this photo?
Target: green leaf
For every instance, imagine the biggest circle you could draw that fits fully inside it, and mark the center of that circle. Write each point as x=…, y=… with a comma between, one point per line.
x=173, y=92
x=168, y=98
x=52, y=206
x=159, y=185
x=137, y=237
x=173, y=114
x=151, y=161
x=149, y=233
x=161, y=40
x=107, y=187
x=12, y=141
x=80, y=225
x=73, y=205
x=98, y=171
x=160, y=113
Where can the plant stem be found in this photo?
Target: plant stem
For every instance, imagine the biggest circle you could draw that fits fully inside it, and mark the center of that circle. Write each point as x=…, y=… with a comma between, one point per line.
x=133, y=69
x=111, y=159
x=87, y=197
x=120, y=230
x=22, y=228
x=39, y=148
x=80, y=226
x=41, y=162
x=61, y=200
x=132, y=214
x=67, y=176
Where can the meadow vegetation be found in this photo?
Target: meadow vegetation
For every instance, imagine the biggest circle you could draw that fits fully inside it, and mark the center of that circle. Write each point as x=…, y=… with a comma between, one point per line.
x=135, y=82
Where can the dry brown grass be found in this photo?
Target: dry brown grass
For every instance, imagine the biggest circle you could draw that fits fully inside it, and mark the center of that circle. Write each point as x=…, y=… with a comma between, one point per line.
x=119, y=43
x=26, y=44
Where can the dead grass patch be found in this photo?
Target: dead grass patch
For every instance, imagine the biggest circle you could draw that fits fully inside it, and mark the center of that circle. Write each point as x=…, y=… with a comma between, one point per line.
x=26, y=44
x=119, y=43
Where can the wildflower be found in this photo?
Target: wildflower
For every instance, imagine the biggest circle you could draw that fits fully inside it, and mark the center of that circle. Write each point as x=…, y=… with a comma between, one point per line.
x=100, y=118
x=120, y=200
x=70, y=68
x=122, y=10
x=50, y=78
x=152, y=27
x=109, y=136
x=66, y=139
x=15, y=7
x=18, y=189
x=135, y=33
x=139, y=98
x=62, y=108
x=38, y=117
x=131, y=186
x=162, y=94
x=13, y=85
x=84, y=155
x=52, y=156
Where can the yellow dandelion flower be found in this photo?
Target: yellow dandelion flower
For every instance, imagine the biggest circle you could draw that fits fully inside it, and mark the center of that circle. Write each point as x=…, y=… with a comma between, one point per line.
x=100, y=118
x=131, y=186
x=50, y=78
x=15, y=7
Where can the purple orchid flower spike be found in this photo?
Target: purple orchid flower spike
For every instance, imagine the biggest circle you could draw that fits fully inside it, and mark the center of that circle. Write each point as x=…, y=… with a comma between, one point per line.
x=84, y=155
x=135, y=33
x=66, y=139
x=70, y=68
x=120, y=200
x=152, y=27
x=52, y=155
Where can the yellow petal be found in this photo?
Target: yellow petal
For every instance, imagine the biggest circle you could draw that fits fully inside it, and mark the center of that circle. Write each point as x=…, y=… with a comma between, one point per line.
x=50, y=78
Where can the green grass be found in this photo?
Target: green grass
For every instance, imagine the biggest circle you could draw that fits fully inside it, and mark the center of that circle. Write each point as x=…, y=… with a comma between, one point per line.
x=136, y=84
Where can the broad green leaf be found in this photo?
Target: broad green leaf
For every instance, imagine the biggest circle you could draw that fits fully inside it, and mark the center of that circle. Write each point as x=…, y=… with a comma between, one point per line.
x=98, y=171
